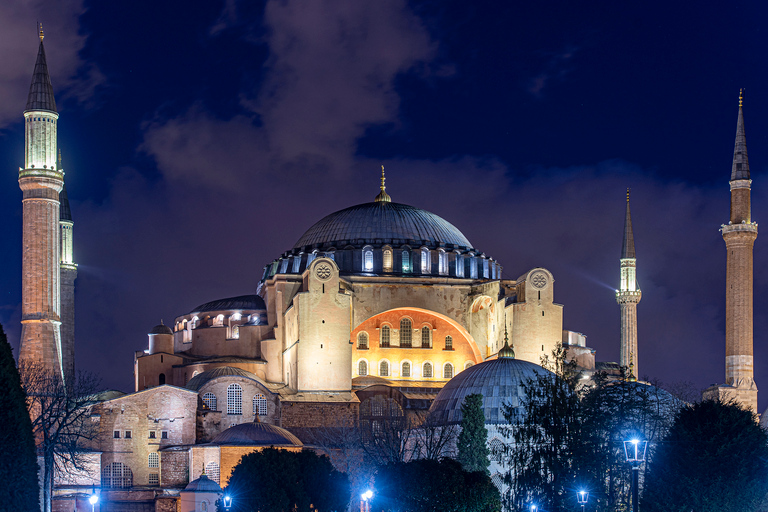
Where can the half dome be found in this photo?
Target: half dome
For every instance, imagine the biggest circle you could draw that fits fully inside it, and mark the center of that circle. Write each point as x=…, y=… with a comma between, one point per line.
x=256, y=434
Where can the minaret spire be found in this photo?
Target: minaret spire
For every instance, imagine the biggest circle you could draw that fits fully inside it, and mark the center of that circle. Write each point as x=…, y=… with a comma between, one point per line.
x=383, y=197
x=67, y=276
x=739, y=234
x=628, y=295
x=41, y=91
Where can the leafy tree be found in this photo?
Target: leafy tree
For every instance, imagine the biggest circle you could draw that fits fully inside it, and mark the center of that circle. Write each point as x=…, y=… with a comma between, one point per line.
x=714, y=458
x=434, y=486
x=473, y=439
x=19, y=461
x=274, y=480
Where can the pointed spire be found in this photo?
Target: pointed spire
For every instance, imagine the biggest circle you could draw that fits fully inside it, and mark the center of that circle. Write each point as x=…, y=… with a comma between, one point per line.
x=383, y=197
x=628, y=246
x=506, y=351
x=41, y=91
x=740, y=169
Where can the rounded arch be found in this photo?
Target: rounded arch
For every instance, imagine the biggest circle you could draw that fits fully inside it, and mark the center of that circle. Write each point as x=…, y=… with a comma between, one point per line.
x=427, y=370
x=234, y=399
x=362, y=367
x=385, y=368
x=406, y=368
x=362, y=340
x=448, y=372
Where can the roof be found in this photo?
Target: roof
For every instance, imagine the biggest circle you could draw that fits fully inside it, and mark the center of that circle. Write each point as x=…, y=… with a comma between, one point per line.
x=41, y=91
x=64, y=211
x=161, y=329
x=256, y=434
x=628, y=244
x=384, y=221
x=201, y=379
x=240, y=302
x=740, y=168
x=202, y=484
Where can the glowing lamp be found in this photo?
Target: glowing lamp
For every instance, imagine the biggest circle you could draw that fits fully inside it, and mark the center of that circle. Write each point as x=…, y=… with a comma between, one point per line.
x=634, y=449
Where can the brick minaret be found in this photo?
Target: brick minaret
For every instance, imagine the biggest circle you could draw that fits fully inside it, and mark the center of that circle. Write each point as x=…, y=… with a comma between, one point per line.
x=68, y=275
x=628, y=295
x=41, y=182
x=739, y=236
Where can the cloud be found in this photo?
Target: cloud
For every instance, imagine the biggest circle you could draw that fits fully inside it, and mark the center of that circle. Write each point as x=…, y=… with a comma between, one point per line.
x=556, y=68
x=69, y=73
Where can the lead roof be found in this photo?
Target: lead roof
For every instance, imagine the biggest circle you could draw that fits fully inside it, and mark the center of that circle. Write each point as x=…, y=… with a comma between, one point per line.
x=41, y=91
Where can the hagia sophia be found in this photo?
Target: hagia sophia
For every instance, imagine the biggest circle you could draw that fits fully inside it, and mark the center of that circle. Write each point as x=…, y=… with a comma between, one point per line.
x=371, y=313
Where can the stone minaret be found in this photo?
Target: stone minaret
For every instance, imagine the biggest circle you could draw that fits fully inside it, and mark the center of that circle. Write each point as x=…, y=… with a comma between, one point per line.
x=739, y=236
x=628, y=295
x=68, y=275
x=41, y=182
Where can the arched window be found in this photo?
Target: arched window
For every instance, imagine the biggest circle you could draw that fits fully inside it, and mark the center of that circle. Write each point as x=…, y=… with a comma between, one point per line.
x=234, y=399
x=212, y=471
x=427, y=370
x=387, y=259
x=362, y=368
x=406, y=261
x=425, y=261
x=406, y=369
x=384, y=336
x=209, y=399
x=406, y=333
x=383, y=369
x=469, y=364
x=296, y=263
x=459, y=265
x=117, y=476
x=259, y=405
x=236, y=332
x=367, y=258
x=442, y=262
x=218, y=321
x=153, y=460
x=161, y=378
x=362, y=341
x=448, y=371
x=425, y=337
x=448, y=343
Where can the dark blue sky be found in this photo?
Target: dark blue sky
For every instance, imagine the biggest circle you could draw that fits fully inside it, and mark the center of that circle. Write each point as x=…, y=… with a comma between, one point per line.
x=200, y=141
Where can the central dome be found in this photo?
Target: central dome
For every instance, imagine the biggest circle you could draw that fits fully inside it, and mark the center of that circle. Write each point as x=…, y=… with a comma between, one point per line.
x=382, y=220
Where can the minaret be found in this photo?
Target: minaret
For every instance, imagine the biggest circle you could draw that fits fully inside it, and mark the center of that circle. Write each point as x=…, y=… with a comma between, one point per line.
x=68, y=275
x=628, y=295
x=41, y=182
x=739, y=236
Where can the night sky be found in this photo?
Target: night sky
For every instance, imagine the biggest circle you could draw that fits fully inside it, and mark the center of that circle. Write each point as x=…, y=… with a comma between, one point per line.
x=200, y=140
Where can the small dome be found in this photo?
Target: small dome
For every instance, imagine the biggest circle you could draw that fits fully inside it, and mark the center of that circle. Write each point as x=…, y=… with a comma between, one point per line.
x=202, y=484
x=369, y=380
x=242, y=302
x=257, y=434
x=201, y=379
x=498, y=380
x=161, y=329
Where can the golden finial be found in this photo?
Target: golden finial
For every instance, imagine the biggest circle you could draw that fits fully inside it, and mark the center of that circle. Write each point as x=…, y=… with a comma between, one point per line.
x=741, y=96
x=40, y=31
x=631, y=376
x=627, y=194
x=383, y=197
x=59, y=158
x=383, y=179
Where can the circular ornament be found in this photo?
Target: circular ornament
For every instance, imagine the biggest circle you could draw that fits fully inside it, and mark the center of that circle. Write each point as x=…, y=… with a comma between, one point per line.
x=539, y=279
x=323, y=271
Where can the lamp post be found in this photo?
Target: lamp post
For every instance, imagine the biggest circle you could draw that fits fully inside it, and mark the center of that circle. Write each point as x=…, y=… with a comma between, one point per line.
x=93, y=499
x=227, y=502
x=534, y=508
x=634, y=449
x=582, y=497
x=365, y=504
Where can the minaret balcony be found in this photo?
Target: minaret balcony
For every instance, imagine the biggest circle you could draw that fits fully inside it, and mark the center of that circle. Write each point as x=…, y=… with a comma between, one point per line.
x=744, y=227
x=628, y=297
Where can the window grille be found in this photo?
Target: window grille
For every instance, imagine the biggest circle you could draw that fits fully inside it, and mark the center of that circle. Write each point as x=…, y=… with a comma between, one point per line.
x=448, y=371
x=362, y=340
x=384, y=369
x=362, y=368
x=234, y=399
x=154, y=479
x=209, y=400
x=212, y=471
x=116, y=476
x=427, y=370
x=259, y=405
x=385, y=331
x=406, y=333
x=387, y=257
x=406, y=369
x=448, y=343
x=425, y=337
x=154, y=460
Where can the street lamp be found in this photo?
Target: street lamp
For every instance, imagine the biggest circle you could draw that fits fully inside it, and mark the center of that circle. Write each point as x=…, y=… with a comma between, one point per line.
x=365, y=504
x=93, y=499
x=582, y=497
x=533, y=508
x=634, y=449
x=227, y=502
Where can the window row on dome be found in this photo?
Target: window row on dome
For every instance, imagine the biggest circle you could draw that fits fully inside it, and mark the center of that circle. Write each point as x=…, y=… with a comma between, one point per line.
x=393, y=260
x=407, y=369
x=406, y=337
x=232, y=323
x=234, y=403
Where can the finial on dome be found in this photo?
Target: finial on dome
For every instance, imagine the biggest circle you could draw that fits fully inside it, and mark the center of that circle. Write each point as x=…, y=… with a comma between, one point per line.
x=506, y=351
x=631, y=373
x=40, y=31
x=741, y=96
x=627, y=194
x=383, y=197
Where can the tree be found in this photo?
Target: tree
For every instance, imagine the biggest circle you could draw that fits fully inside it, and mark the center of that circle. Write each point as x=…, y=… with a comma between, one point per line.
x=274, y=480
x=61, y=422
x=434, y=486
x=432, y=441
x=473, y=439
x=714, y=458
x=19, y=461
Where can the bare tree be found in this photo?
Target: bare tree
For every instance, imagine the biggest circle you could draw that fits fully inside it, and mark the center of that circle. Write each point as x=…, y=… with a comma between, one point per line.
x=61, y=421
x=433, y=442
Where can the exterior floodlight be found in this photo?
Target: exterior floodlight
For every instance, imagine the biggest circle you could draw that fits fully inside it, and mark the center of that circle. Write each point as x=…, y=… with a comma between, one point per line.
x=634, y=449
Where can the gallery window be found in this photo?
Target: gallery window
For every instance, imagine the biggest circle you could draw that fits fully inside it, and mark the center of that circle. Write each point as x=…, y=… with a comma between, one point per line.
x=406, y=261
x=384, y=369
x=406, y=371
x=427, y=370
x=387, y=260
x=209, y=400
x=425, y=337
x=448, y=371
x=406, y=333
x=385, y=336
x=367, y=258
x=362, y=341
x=234, y=399
x=362, y=368
x=153, y=460
x=448, y=343
x=259, y=405
x=425, y=261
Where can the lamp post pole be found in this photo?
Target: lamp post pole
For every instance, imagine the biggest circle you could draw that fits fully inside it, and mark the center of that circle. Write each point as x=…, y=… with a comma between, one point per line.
x=93, y=499
x=634, y=449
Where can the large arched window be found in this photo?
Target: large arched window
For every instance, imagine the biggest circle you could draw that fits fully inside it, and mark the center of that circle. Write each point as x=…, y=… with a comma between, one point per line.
x=212, y=471
x=448, y=371
x=362, y=340
x=234, y=399
x=209, y=400
x=117, y=476
x=362, y=368
x=384, y=369
x=442, y=262
x=406, y=372
x=425, y=261
x=448, y=343
x=406, y=333
x=387, y=259
x=385, y=336
x=427, y=370
x=426, y=340
x=259, y=405
x=154, y=460
x=406, y=261
x=367, y=258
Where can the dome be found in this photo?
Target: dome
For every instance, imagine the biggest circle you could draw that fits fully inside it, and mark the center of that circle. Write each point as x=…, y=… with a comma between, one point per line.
x=202, y=484
x=257, y=434
x=498, y=380
x=383, y=220
x=245, y=302
x=201, y=379
x=161, y=329
x=369, y=380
